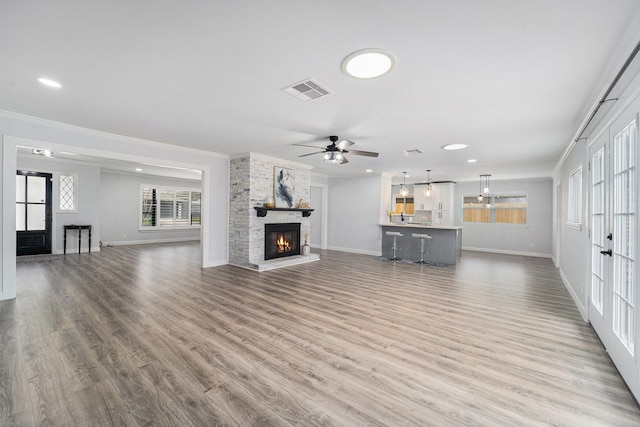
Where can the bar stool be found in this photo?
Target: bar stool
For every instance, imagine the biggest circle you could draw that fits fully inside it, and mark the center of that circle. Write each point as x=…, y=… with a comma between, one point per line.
x=422, y=238
x=395, y=247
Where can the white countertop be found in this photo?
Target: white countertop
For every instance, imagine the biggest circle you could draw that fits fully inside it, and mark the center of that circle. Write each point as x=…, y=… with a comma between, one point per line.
x=407, y=225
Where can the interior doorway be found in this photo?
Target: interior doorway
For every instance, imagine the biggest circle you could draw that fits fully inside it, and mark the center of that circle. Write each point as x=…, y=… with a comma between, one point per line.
x=33, y=213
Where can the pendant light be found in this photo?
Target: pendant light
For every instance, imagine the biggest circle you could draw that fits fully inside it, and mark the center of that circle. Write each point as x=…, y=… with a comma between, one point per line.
x=404, y=191
x=484, y=189
x=487, y=177
x=427, y=190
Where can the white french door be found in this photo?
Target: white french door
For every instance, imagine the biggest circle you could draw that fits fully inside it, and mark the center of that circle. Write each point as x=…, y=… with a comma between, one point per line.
x=614, y=303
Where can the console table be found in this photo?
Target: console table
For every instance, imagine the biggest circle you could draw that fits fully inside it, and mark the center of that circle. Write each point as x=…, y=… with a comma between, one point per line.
x=79, y=228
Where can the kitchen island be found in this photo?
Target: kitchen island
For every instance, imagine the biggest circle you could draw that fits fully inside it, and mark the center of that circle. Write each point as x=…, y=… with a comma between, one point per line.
x=444, y=247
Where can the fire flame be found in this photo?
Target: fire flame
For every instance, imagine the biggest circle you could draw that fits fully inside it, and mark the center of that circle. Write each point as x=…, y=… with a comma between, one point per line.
x=283, y=245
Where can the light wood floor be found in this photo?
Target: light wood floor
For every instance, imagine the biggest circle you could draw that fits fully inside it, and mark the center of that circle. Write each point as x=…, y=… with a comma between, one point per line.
x=141, y=336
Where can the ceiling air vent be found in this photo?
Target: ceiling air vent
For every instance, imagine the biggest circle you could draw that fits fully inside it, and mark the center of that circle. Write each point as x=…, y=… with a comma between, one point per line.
x=307, y=90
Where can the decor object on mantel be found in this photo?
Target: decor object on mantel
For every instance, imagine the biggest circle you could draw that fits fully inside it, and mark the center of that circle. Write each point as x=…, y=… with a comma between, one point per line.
x=262, y=211
x=303, y=205
x=284, y=186
x=269, y=202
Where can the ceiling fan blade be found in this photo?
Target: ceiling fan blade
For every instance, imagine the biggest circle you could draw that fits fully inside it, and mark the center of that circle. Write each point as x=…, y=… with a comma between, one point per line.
x=311, y=154
x=362, y=153
x=344, y=160
x=344, y=144
x=308, y=146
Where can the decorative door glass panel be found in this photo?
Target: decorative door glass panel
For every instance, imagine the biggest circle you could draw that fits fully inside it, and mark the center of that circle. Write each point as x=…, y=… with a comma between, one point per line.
x=37, y=189
x=597, y=229
x=624, y=175
x=35, y=217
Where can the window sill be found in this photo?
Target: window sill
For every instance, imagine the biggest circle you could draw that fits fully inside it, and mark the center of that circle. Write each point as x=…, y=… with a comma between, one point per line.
x=574, y=226
x=156, y=229
x=494, y=224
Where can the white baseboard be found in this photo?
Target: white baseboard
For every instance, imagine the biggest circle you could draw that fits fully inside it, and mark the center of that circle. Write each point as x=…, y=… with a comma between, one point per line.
x=576, y=299
x=216, y=263
x=507, y=252
x=355, y=251
x=75, y=250
x=147, y=242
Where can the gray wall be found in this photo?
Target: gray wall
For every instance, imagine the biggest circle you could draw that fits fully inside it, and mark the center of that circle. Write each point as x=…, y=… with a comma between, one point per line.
x=88, y=201
x=354, y=214
x=574, y=245
x=534, y=238
x=120, y=209
x=316, y=217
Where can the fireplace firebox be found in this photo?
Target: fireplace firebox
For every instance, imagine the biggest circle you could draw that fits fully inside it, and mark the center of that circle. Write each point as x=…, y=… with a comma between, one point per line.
x=281, y=240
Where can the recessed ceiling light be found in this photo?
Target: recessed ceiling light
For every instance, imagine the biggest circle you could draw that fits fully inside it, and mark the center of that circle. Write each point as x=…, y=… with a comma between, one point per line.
x=368, y=63
x=454, y=146
x=472, y=160
x=49, y=82
x=138, y=170
x=369, y=170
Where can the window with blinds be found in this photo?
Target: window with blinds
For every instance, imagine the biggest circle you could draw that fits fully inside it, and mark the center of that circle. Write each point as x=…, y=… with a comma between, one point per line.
x=574, y=210
x=164, y=208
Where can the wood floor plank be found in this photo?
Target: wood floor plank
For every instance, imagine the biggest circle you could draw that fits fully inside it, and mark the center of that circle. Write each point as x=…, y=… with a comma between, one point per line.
x=140, y=335
x=14, y=396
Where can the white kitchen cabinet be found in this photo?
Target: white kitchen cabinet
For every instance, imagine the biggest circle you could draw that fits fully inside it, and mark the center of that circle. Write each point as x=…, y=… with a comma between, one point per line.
x=418, y=197
x=422, y=202
x=442, y=199
x=441, y=218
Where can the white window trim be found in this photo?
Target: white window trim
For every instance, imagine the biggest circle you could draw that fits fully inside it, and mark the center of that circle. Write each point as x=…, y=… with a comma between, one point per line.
x=155, y=228
x=56, y=185
x=576, y=173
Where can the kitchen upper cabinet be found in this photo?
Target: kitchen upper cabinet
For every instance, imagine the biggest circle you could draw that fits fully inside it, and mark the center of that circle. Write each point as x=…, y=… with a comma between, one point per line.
x=419, y=197
x=442, y=197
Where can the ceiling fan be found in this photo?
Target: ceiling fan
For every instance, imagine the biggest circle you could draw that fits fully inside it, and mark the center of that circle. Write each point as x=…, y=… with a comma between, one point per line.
x=334, y=152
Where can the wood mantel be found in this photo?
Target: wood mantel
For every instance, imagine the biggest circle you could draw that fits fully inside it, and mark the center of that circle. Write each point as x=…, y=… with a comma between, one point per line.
x=262, y=211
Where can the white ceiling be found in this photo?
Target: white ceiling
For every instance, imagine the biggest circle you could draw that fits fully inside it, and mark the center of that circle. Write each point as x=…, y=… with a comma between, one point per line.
x=513, y=79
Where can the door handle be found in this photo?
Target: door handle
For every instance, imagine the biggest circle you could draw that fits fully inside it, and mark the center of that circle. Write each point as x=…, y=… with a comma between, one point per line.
x=607, y=252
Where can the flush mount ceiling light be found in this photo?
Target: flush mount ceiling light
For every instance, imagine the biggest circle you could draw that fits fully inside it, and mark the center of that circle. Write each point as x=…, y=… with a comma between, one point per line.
x=368, y=63
x=450, y=147
x=48, y=82
x=472, y=161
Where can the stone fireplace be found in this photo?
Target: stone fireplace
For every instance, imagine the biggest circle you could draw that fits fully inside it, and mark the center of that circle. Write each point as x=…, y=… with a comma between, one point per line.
x=251, y=183
x=281, y=240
